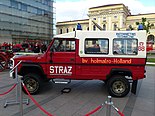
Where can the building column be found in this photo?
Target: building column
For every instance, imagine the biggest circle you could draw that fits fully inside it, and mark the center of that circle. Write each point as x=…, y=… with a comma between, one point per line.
x=90, y=24
x=109, y=22
x=121, y=22
x=99, y=21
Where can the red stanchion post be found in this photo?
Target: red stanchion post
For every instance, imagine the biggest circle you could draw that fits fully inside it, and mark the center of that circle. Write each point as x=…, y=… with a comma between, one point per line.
x=37, y=104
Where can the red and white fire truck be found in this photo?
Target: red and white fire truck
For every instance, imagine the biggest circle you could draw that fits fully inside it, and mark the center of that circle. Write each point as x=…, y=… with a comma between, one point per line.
x=116, y=57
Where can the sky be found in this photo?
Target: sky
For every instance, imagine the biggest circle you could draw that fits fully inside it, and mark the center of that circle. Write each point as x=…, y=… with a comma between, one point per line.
x=68, y=10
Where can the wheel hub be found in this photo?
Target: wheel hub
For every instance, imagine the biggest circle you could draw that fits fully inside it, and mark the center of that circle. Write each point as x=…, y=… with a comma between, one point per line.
x=31, y=85
x=118, y=87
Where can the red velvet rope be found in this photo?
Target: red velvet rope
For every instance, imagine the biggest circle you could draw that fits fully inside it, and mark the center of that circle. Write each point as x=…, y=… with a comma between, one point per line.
x=8, y=90
x=37, y=104
x=117, y=110
x=120, y=113
x=93, y=111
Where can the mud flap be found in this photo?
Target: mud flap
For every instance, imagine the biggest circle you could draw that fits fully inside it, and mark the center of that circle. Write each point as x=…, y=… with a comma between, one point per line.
x=134, y=86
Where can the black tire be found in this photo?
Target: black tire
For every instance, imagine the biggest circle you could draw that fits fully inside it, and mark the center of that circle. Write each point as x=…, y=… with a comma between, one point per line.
x=118, y=86
x=32, y=83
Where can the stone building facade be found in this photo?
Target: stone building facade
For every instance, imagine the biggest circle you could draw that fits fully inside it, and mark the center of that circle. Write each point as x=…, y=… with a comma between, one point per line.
x=108, y=17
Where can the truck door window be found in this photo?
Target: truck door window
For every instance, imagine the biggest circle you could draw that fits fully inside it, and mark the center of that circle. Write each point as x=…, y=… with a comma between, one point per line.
x=96, y=46
x=125, y=46
x=62, y=45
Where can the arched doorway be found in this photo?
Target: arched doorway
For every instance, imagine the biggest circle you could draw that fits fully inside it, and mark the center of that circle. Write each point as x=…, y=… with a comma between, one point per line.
x=115, y=27
x=150, y=42
x=150, y=39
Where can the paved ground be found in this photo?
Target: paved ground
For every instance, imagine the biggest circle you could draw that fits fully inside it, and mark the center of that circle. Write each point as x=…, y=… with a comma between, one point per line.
x=84, y=97
x=150, y=56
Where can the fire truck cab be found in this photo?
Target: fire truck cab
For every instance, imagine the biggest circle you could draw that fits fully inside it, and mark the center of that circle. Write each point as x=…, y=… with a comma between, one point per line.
x=116, y=57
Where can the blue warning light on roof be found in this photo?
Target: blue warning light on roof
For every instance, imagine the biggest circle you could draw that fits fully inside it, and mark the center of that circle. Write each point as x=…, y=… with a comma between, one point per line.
x=140, y=27
x=79, y=27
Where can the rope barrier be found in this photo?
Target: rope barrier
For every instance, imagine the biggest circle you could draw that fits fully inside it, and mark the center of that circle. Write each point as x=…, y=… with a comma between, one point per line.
x=36, y=103
x=93, y=111
x=8, y=90
x=117, y=110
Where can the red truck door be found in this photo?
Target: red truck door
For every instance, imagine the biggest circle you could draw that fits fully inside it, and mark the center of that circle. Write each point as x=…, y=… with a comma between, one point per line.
x=61, y=58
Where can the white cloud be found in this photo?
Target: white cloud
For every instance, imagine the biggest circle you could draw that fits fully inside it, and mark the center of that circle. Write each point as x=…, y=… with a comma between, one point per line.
x=66, y=11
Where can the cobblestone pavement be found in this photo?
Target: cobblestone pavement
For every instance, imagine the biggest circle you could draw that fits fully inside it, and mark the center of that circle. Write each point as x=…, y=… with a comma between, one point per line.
x=84, y=97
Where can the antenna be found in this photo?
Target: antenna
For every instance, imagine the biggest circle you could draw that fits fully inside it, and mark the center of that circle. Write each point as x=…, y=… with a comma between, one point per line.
x=98, y=26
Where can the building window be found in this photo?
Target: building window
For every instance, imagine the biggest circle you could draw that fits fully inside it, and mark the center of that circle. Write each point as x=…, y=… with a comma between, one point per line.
x=104, y=27
x=115, y=17
x=39, y=11
x=14, y=4
x=150, y=39
x=67, y=30
x=46, y=13
x=60, y=31
x=46, y=2
x=24, y=7
x=87, y=28
x=94, y=27
x=115, y=27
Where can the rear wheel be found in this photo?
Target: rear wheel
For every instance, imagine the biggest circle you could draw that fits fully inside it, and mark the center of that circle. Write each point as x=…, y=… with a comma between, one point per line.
x=32, y=83
x=118, y=86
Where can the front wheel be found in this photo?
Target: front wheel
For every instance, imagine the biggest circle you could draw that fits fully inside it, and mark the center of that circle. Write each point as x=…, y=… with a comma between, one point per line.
x=118, y=86
x=32, y=83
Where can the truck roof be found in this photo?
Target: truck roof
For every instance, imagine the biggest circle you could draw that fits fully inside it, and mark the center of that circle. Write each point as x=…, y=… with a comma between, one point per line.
x=97, y=34
x=66, y=35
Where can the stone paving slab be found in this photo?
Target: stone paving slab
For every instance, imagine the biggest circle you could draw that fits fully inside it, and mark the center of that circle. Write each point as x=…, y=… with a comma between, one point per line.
x=84, y=97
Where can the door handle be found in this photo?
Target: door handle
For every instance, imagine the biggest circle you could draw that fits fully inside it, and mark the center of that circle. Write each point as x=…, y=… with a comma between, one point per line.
x=72, y=59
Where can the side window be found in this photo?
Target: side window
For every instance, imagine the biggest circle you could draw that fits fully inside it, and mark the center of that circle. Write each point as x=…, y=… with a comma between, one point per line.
x=96, y=46
x=70, y=46
x=125, y=46
x=60, y=45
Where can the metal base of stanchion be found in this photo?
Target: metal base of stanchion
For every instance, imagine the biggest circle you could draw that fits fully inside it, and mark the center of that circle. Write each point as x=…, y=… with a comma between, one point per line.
x=13, y=102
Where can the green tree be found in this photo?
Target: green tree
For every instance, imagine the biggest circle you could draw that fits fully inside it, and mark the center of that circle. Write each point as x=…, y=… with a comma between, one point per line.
x=146, y=24
x=131, y=28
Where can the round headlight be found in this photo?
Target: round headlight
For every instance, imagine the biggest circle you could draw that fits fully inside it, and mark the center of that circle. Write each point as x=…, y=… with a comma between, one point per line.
x=11, y=63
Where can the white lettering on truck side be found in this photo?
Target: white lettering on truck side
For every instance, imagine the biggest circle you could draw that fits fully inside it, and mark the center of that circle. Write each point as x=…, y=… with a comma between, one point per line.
x=62, y=70
x=51, y=69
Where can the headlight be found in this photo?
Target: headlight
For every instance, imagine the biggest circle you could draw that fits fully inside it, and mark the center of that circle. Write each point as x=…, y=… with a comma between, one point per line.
x=11, y=63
